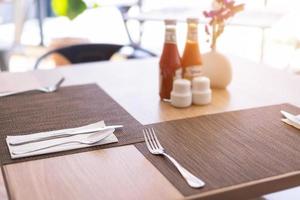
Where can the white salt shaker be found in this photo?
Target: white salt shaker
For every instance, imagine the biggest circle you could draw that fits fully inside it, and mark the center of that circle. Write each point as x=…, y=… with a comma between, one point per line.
x=201, y=91
x=181, y=95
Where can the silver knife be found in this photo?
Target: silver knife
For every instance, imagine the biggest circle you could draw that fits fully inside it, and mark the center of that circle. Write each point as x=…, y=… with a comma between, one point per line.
x=90, y=139
x=290, y=117
x=60, y=134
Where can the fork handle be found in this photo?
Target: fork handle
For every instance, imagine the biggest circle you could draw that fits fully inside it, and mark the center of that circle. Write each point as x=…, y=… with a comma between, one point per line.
x=191, y=179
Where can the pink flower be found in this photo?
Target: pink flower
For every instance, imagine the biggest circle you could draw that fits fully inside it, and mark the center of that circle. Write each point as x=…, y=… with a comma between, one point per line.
x=222, y=10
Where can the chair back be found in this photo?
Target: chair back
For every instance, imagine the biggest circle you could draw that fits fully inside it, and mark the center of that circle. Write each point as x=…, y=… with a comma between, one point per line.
x=82, y=53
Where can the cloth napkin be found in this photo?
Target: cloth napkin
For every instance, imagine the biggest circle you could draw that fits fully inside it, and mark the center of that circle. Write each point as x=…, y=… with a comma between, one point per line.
x=110, y=139
x=296, y=125
x=33, y=80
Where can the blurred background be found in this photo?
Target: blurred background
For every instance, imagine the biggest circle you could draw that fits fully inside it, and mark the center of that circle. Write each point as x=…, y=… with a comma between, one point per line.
x=266, y=31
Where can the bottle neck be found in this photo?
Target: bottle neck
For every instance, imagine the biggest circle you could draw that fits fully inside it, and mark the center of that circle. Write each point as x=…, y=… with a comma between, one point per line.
x=170, y=35
x=192, y=35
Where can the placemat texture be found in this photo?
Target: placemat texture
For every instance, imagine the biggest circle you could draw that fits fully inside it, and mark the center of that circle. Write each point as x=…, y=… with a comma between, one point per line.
x=69, y=107
x=229, y=148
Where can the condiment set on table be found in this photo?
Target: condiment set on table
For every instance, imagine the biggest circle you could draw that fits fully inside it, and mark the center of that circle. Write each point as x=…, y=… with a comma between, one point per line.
x=183, y=94
x=181, y=79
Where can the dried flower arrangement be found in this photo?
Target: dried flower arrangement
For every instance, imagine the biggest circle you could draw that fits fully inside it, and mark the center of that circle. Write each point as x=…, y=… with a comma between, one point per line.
x=222, y=11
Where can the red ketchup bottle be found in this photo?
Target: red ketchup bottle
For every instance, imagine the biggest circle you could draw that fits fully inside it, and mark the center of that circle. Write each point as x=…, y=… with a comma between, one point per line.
x=170, y=62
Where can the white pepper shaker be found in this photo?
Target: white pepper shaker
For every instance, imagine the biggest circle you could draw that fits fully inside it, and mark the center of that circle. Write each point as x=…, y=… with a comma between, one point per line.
x=181, y=95
x=201, y=91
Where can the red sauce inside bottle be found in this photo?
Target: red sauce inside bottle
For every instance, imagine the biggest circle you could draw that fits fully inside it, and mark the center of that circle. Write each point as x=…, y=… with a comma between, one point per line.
x=170, y=64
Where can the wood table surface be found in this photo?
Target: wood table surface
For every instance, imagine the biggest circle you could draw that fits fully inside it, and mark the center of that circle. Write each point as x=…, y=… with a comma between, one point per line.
x=3, y=192
x=134, y=85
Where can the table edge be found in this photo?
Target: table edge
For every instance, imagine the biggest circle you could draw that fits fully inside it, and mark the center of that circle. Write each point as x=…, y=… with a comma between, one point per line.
x=252, y=189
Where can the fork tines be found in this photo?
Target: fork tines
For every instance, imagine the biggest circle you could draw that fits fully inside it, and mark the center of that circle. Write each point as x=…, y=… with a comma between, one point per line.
x=151, y=140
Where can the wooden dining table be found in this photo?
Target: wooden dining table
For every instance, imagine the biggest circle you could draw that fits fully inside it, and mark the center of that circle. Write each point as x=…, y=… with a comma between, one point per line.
x=123, y=172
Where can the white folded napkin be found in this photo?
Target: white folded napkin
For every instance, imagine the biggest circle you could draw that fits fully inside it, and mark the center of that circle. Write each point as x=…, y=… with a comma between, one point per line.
x=49, y=133
x=110, y=139
x=291, y=123
x=33, y=80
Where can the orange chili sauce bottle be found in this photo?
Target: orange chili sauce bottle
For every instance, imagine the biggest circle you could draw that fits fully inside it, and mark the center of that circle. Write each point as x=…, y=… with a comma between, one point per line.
x=191, y=59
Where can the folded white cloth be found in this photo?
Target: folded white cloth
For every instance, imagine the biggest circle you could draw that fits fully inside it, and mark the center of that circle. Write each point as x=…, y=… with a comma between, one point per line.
x=291, y=123
x=33, y=136
x=110, y=139
x=33, y=80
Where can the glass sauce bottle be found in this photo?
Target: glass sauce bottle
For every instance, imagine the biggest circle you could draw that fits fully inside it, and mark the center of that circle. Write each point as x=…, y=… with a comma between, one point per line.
x=170, y=62
x=191, y=59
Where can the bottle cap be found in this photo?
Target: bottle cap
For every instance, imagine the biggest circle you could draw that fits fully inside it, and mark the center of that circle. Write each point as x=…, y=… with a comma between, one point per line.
x=170, y=21
x=192, y=20
x=182, y=86
x=181, y=96
x=201, y=84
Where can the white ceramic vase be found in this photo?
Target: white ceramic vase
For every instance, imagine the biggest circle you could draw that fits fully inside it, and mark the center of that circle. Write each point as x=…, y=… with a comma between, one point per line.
x=217, y=68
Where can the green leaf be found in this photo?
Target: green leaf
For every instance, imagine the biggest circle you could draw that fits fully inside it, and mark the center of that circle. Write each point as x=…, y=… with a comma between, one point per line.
x=68, y=8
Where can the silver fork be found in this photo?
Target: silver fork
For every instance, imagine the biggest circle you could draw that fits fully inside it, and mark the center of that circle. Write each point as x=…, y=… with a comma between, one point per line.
x=155, y=148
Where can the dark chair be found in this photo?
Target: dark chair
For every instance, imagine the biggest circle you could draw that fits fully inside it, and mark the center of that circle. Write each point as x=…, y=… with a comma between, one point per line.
x=93, y=52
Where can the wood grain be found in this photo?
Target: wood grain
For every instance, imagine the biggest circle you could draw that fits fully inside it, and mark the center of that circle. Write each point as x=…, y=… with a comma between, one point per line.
x=134, y=85
x=3, y=193
x=116, y=173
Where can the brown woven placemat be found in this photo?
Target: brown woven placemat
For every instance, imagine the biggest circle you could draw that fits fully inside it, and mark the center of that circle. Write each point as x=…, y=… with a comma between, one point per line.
x=229, y=148
x=69, y=107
